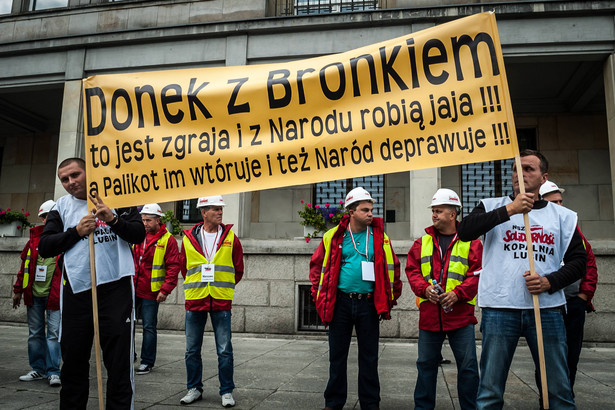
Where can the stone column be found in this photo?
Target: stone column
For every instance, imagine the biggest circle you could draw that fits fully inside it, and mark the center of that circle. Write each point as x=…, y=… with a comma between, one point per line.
x=609, y=96
x=69, y=144
x=237, y=211
x=423, y=184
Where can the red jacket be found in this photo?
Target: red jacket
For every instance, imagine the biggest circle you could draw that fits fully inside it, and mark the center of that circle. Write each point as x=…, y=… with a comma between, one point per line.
x=53, y=301
x=590, y=280
x=432, y=317
x=209, y=303
x=325, y=304
x=143, y=266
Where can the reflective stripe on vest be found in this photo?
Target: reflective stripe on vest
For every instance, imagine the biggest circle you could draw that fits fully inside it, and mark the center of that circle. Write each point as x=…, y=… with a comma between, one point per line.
x=388, y=252
x=158, y=268
x=326, y=242
x=457, y=266
x=26, y=269
x=223, y=286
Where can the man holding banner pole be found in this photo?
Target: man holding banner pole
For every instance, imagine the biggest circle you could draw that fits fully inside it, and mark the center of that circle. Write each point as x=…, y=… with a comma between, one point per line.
x=66, y=231
x=506, y=286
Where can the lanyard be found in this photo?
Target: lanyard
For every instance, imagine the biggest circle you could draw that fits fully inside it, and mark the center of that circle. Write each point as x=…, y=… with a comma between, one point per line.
x=366, y=254
x=209, y=255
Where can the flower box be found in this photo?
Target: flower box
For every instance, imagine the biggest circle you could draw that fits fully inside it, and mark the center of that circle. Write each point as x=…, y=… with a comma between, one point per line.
x=10, y=229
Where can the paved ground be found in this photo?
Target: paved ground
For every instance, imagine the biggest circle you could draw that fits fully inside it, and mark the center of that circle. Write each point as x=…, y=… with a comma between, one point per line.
x=291, y=373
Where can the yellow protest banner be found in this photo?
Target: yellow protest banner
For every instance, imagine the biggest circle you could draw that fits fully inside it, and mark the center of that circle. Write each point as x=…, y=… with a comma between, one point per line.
x=433, y=98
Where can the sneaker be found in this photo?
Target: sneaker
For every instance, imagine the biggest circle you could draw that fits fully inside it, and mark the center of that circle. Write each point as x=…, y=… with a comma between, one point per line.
x=143, y=369
x=193, y=395
x=228, y=400
x=54, y=380
x=31, y=376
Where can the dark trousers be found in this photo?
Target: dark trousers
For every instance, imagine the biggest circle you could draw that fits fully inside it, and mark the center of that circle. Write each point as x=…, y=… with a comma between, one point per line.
x=115, y=312
x=361, y=314
x=574, y=320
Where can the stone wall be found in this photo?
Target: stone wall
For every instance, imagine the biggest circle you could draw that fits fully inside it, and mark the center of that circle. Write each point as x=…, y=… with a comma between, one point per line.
x=266, y=299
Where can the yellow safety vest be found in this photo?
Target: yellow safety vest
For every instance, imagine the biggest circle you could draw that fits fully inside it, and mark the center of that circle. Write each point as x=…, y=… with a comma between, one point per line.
x=223, y=286
x=26, y=269
x=158, y=268
x=326, y=241
x=457, y=266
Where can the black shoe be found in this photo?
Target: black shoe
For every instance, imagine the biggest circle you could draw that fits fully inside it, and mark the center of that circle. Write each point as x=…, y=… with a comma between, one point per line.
x=143, y=369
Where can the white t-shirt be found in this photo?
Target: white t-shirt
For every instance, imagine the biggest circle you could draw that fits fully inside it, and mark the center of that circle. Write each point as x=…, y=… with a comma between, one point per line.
x=502, y=284
x=113, y=255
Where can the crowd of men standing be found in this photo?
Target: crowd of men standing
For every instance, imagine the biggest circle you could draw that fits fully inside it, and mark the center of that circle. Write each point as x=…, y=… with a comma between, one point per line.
x=355, y=278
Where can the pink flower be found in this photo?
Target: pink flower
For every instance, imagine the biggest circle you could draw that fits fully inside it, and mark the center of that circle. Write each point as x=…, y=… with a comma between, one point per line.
x=327, y=205
x=317, y=206
x=18, y=226
x=341, y=202
x=302, y=201
x=309, y=205
x=307, y=239
x=8, y=209
x=27, y=214
x=331, y=215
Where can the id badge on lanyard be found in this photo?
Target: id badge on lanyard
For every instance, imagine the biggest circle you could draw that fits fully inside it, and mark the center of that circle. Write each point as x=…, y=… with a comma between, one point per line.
x=367, y=268
x=41, y=274
x=367, y=271
x=207, y=272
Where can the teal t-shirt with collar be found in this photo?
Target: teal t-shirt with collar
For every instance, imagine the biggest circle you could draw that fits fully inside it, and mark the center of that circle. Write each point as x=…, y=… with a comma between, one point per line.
x=351, y=278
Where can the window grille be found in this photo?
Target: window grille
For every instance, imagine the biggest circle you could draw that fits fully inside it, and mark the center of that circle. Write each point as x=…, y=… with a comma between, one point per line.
x=308, y=317
x=333, y=192
x=305, y=7
x=493, y=178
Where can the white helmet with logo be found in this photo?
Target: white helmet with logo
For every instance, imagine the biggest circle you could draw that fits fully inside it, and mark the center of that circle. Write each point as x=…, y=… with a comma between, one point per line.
x=549, y=187
x=358, y=194
x=215, y=200
x=152, y=209
x=444, y=196
x=46, y=207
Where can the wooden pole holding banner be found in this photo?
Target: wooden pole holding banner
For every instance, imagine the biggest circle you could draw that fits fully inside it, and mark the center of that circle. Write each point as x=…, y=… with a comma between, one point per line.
x=101, y=405
x=530, y=256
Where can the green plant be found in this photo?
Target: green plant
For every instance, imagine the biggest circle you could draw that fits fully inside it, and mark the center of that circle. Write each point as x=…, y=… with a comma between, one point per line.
x=7, y=216
x=320, y=216
x=170, y=220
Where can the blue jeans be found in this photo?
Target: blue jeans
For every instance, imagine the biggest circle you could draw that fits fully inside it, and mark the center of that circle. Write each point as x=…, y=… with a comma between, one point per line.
x=44, y=352
x=463, y=344
x=149, y=314
x=195, y=325
x=501, y=330
x=361, y=314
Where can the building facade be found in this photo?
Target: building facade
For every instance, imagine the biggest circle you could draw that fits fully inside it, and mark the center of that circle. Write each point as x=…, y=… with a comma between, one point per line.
x=559, y=63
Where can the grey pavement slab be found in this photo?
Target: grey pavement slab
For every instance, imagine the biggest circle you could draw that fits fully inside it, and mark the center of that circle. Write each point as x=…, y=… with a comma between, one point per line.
x=283, y=372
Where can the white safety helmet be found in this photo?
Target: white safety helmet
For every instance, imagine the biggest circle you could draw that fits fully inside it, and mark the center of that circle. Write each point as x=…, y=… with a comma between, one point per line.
x=357, y=194
x=46, y=207
x=152, y=209
x=215, y=200
x=549, y=187
x=444, y=196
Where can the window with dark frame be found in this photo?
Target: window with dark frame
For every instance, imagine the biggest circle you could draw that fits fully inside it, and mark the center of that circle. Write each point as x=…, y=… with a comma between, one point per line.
x=47, y=4
x=187, y=212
